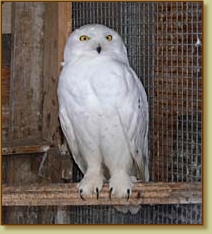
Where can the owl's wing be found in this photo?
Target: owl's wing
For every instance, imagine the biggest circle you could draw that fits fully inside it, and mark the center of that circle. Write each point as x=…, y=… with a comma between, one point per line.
x=68, y=131
x=133, y=115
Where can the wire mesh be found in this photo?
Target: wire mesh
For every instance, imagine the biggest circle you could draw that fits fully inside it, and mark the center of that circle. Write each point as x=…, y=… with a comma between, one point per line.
x=178, y=92
x=164, y=43
x=160, y=214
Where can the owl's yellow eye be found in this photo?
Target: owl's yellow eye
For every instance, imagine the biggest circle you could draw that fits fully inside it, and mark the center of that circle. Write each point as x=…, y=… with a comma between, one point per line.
x=109, y=37
x=84, y=38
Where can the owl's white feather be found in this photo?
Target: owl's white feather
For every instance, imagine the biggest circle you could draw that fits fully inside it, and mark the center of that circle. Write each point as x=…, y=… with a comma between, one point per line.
x=103, y=111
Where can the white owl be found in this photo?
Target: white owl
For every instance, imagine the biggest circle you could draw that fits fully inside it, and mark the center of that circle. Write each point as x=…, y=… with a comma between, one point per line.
x=103, y=111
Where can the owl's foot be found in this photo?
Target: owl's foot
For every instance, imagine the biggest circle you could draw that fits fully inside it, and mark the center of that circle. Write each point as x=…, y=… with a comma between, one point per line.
x=90, y=184
x=120, y=185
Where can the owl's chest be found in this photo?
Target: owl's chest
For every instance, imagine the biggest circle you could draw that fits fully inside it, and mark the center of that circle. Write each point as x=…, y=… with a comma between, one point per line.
x=101, y=78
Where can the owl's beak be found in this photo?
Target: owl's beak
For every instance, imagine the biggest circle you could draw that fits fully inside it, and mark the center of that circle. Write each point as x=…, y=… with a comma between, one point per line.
x=98, y=49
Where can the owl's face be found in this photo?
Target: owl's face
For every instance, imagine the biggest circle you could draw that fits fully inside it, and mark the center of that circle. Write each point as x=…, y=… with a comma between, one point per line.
x=95, y=40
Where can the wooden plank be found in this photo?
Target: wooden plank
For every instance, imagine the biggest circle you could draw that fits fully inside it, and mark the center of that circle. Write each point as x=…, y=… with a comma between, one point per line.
x=64, y=28
x=50, y=118
x=67, y=194
x=6, y=17
x=5, y=81
x=57, y=28
x=27, y=149
x=26, y=71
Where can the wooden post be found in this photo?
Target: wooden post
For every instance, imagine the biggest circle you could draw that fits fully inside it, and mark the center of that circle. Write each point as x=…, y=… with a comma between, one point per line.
x=57, y=29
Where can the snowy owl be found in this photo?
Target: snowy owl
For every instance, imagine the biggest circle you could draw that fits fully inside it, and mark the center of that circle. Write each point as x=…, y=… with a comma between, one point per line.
x=103, y=111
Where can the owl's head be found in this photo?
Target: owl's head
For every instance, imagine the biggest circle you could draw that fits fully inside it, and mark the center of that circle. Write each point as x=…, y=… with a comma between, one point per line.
x=95, y=40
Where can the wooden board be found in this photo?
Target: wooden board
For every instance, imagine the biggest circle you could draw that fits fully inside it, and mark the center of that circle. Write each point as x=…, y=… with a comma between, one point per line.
x=57, y=29
x=26, y=71
x=27, y=149
x=67, y=194
x=6, y=17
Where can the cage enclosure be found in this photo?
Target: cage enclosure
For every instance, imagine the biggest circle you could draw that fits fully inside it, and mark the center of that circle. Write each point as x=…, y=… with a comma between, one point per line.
x=164, y=44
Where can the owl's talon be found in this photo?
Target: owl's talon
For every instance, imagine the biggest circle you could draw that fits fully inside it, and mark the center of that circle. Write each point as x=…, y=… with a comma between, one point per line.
x=81, y=192
x=128, y=194
x=110, y=193
x=97, y=193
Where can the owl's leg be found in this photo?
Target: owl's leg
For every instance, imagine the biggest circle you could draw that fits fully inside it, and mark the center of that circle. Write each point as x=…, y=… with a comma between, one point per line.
x=92, y=182
x=119, y=163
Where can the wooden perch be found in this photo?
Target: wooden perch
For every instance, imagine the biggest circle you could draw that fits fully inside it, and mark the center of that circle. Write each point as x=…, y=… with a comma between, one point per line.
x=67, y=194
